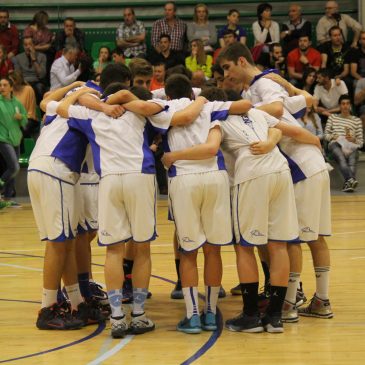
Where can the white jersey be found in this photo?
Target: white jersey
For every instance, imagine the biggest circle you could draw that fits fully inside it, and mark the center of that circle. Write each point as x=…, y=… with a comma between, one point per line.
x=160, y=93
x=238, y=133
x=88, y=173
x=196, y=133
x=119, y=145
x=305, y=160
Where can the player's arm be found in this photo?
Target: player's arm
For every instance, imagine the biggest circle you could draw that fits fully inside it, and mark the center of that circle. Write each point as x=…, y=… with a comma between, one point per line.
x=190, y=113
x=91, y=102
x=71, y=99
x=198, y=152
x=276, y=108
x=145, y=108
x=240, y=107
x=58, y=94
x=261, y=147
x=121, y=97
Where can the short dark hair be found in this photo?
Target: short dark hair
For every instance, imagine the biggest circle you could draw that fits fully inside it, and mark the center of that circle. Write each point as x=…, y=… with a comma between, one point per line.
x=335, y=27
x=231, y=11
x=261, y=8
x=69, y=18
x=304, y=35
x=118, y=51
x=141, y=92
x=159, y=63
x=114, y=72
x=178, y=70
x=234, y=52
x=172, y=3
x=142, y=70
x=273, y=45
x=325, y=72
x=228, y=31
x=213, y=93
x=165, y=35
x=113, y=88
x=178, y=86
x=344, y=97
x=233, y=95
x=217, y=68
x=4, y=10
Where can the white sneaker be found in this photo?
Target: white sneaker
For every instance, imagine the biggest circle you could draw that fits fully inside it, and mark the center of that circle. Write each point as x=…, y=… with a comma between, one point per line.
x=119, y=327
x=289, y=313
x=141, y=324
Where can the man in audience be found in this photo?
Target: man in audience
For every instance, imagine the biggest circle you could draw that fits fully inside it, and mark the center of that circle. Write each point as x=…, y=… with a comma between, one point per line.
x=32, y=64
x=343, y=21
x=357, y=63
x=229, y=37
x=70, y=35
x=9, y=35
x=273, y=59
x=302, y=57
x=294, y=28
x=170, y=25
x=167, y=55
x=118, y=56
x=131, y=35
x=158, y=79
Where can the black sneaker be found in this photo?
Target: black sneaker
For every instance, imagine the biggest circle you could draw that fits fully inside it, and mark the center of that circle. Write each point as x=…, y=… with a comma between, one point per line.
x=273, y=323
x=347, y=187
x=300, y=297
x=245, y=323
x=55, y=318
x=222, y=293
x=353, y=182
x=98, y=293
x=236, y=290
x=177, y=292
x=89, y=312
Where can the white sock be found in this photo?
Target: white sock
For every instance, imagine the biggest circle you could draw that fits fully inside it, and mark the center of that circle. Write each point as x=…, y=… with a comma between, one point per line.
x=74, y=294
x=49, y=297
x=139, y=299
x=191, y=301
x=322, y=281
x=211, y=298
x=291, y=293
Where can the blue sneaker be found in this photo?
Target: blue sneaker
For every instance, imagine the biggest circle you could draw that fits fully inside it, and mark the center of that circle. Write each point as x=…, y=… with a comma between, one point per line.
x=192, y=325
x=209, y=321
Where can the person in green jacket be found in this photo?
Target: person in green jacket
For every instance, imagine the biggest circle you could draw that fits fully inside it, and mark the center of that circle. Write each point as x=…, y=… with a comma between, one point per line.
x=13, y=116
x=198, y=59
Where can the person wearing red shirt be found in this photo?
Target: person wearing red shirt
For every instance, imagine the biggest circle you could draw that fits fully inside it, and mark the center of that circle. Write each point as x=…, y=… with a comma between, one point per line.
x=9, y=35
x=302, y=57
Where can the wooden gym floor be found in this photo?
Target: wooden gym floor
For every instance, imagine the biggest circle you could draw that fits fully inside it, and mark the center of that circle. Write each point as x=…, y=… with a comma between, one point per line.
x=312, y=341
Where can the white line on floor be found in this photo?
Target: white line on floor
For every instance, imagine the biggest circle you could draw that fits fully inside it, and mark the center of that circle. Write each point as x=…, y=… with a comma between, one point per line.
x=21, y=267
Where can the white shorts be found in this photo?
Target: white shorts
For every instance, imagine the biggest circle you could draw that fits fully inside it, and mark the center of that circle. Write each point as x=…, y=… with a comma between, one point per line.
x=264, y=210
x=54, y=208
x=201, y=209
x=127, y=208
x=87, y=197
x=313, y=200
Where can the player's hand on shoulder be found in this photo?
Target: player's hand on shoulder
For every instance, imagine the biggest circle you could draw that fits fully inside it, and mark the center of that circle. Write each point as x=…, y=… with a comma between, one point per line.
x=114, y=111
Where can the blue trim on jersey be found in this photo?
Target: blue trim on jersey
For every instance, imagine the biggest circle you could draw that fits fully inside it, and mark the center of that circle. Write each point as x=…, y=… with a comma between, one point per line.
x=114, y=243
x=194, y=249
x=263, y=73
x=153, y=237
x=90, y=83
x=220, y=160
x=49, y=119
x=165, y=144
x=54, y=177
x=164, y=109
x=89, y=184
x=296, y=173
x=219, y=115
x=148, y=163
x=245, y=243
x=295, y=240
x=81, y=229
x=299, y=114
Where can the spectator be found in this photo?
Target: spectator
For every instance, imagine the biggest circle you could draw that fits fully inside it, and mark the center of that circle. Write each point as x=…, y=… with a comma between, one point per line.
x=9, y=35
x=198, y=59
x=170, y=25
x=131, y=35
x=359, y=99
x=265, y=30
x=25, y=94
x=294, y=28
x=70, y=35
x=104, y=59
x=229, y=37
x=6, y=66
x=345, y=136
x=198, y=79
x=273, y=59
x=233, y=18
x=12, y=117
x=63, y=70
x=301, y=58
x=167, y=55
x=327, y=93
x=158, y=79
x=334, y=18
x=309, y=80
x=202, y=29
x=32, y=64
x=312, y=122
x=357, y=62
x=118, y=56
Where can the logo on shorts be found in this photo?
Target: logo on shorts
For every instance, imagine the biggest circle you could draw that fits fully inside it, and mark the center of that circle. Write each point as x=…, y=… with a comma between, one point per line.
x=257, y=233
x=105, y=233
x=307, y=230
x=187, y=240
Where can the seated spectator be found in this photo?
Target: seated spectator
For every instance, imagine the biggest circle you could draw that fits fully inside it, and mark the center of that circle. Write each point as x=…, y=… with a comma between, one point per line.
x=170, y=25
x=158, y=79
x=6, y=66
x=327, y=93
x=118, y=56
x=198, y=59
x=359, y=99
x=229, y=38
x=265, y=30
x=301, y=58
x=334, y=18
x=357, y=61
x=294, y=28
x=198, y=79
x=25, y=94
x=104, y=59
x=345, y=136
x=308, y=81
x=9, y=35
x=32, y=64
x=312, y=122
x=69, y=35
x=273, y=59
x=63, y=70
x=131, y=35
x=167, y=55
x=202, y=29
x=233, y=18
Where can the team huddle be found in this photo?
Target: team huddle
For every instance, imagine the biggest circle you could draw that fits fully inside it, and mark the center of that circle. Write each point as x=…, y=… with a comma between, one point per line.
x=241, y=171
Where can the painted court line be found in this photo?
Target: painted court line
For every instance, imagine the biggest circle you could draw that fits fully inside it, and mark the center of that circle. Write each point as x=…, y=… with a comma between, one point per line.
x=21, y=267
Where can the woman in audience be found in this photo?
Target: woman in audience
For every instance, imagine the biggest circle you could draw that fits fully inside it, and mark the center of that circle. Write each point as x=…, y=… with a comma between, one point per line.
x=6, y=65
x=198, y=59
x=202, y=29
x=312, y=122
x=104, y=59
x=265, y=30
x=309, y=80
x=233, y=19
